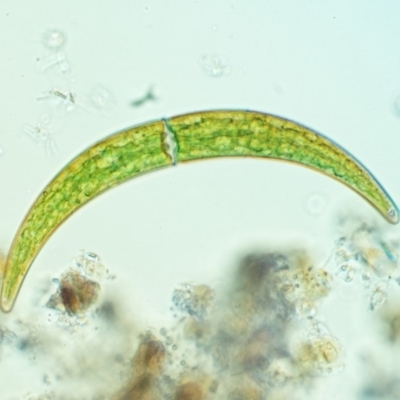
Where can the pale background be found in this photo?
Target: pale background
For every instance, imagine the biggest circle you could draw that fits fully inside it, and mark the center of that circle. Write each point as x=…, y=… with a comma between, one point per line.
x=332, y=65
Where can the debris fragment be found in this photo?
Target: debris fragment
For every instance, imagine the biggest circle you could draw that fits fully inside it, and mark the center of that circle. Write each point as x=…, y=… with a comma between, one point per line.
x=75, y=293
x=54, y=39
x=195, y=300
x=149, y=96
x=214, y=65
x=147, y=364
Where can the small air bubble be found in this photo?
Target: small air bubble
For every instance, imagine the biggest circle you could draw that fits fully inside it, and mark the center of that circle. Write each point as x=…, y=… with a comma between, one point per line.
x=53, y=39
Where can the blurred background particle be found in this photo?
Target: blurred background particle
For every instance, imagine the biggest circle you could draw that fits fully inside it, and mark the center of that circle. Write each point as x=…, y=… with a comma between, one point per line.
x=378, y=297
x=195, y=300
x=146, y=98
x=56, y=61
x=214, y=65
x=396, y=105
x=63, y=101
x=102, y=99
x=318, y=356
x=90, y=264
x=42, y=137
x=390, y=316
x=6, y=335
x=53, y=39
x=346, y=272
x=316, y=204
x=75, y=293
x=45, y=119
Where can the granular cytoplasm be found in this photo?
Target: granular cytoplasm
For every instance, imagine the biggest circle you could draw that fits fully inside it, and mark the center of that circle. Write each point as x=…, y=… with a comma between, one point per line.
x=159, y=144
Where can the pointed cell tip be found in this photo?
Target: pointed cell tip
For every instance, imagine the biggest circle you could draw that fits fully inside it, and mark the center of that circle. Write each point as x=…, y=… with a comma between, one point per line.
x=6, y=304
x=393, y=215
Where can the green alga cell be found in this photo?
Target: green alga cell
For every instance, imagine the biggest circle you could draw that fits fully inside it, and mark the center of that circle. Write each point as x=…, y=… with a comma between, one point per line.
x=235, y=133
x=155, y=145
x=106, y=164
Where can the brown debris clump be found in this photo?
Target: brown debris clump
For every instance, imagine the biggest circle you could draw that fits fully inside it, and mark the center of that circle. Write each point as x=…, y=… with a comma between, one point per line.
x=190, y=391
x=147, y=365
x=239, y=345
x=75, y=293
x=149, y=357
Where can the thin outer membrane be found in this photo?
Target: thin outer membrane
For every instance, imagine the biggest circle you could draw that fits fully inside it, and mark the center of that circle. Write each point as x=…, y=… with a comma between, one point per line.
x=245, y=133
x=155, y=145
x=104, y=165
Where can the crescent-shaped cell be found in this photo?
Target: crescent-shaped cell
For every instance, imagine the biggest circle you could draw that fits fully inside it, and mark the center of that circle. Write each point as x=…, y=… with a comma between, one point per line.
x=159, y=144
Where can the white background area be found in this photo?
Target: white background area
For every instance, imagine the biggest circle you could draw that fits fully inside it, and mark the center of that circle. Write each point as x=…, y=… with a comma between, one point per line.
x=331, y=65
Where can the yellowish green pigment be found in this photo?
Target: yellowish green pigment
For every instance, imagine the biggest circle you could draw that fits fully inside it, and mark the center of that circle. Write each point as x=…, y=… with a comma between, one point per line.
x=155, y=145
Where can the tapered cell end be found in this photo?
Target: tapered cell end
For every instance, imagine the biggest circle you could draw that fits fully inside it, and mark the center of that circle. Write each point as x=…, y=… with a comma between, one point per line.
x=393, y=215
x=6, y=304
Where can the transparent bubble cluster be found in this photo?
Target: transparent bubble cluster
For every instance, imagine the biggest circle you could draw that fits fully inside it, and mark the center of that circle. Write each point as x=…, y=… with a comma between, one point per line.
x=318, y=355
x=90, y=265
x=366, y=253
x=195, y=300
x=378, y=297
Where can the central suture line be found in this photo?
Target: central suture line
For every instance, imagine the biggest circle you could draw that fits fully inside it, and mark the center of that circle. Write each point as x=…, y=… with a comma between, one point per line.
x=169, y=143
x=159, y=144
